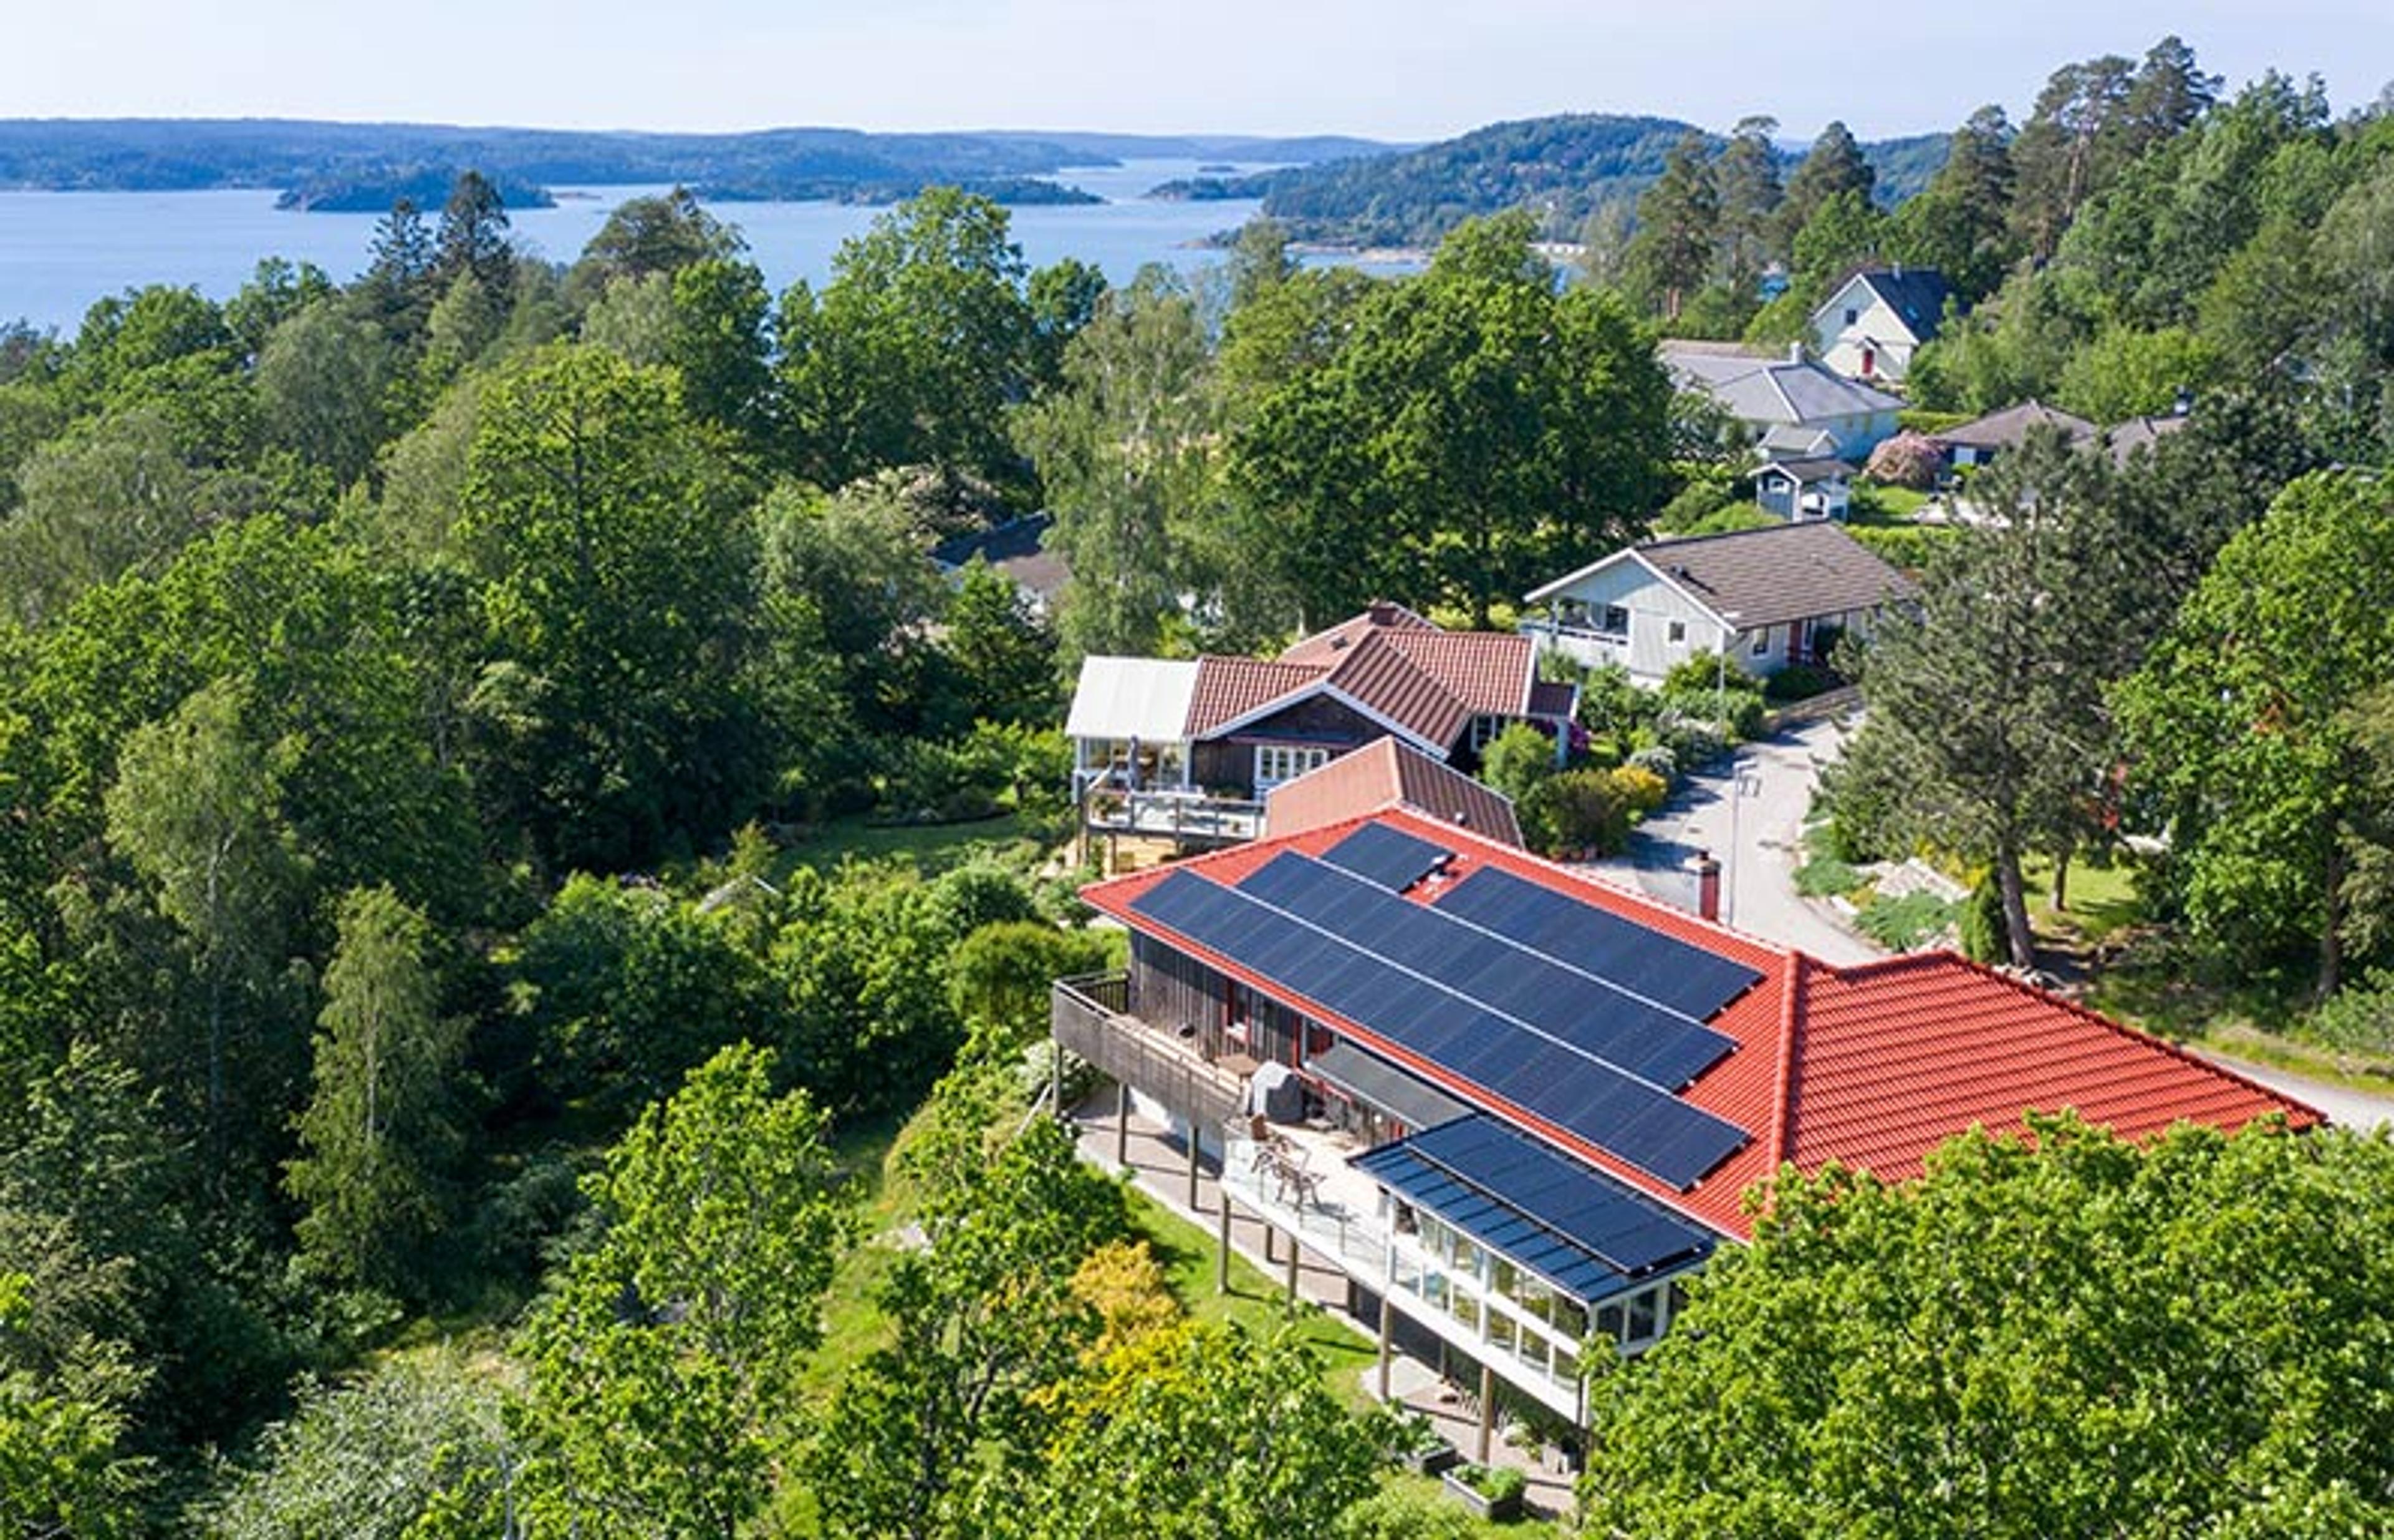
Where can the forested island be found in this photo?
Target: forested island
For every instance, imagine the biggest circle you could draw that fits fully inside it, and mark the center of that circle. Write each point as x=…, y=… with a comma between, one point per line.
x=527, y=900
x=1567, y=168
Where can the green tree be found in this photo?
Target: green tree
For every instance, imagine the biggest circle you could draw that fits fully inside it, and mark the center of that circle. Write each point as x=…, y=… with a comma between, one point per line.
x=1474, y=428
x=618, y=568
x=371, y=1459
x=197, y=808
x=472, y=239
x=661, y=1369
x=659, y=234
x=1832, y=168
x=383, y=1128
x=2243, y=722
x=1000, y=654
x=323, y=380
x=2076, y=1337
x=2012, y=620
x=1125, y=447
x=985, y=1318
x=1960, y=224
x=1747, y=177
x=61, y=1470
x=113, y=495
x=914, y=350
x=2124, y=373
x=1678, y=228
x=1202, y=1431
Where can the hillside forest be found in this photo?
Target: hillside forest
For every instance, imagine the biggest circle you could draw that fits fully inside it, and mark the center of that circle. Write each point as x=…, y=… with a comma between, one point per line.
x=526, y=897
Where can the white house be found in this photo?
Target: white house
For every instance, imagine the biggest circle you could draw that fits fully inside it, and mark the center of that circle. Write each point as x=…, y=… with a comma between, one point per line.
x=1872, y=324
x=1790, y=404
x=1768, y=598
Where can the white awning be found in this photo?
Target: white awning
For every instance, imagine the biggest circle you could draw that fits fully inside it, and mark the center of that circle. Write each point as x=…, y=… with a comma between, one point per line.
x=1142, y=698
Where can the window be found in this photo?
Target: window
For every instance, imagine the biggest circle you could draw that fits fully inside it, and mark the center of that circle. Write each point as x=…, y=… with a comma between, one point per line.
x=1852, y=316
x=1762, y=642
x=1679, y=631
x=1642, y=1321
x=1279, y=762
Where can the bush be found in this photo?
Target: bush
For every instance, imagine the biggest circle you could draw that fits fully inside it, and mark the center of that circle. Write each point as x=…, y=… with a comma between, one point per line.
x=1825, y=876
x=1702, y=674
x=1905, y=546
x=1397, y=1513
x=1641, y=790
x=1907, y=460
x=1698, y=500
x=1577, y=812
x=2360, y=1018
x=1656, y=759
x=1798, y=681
x=1610, y=702
x=1899, y=925
x=1517, y=760
x=1986, y=936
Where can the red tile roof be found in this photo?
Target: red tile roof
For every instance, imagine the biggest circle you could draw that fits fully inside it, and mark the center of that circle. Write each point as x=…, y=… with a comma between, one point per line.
x=1230, y=688
x=1871, y=1066
x=1379, y=616
x=1382, y=774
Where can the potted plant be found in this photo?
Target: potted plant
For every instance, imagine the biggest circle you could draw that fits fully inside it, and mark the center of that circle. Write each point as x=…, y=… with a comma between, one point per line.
x=1420, y=1447
x=1491, y=1492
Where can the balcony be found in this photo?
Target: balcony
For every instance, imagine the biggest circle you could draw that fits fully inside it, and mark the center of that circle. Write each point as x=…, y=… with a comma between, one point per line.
x=1189, y=818
x=1090, y=1016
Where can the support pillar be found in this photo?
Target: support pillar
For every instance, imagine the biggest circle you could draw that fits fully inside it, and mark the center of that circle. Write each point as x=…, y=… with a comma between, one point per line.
x=1271, y=1243
x=1292, y=1270
x=1195, y=1149
x=1122, y=1123
x=1056, y=1079
x=1487, y=1410
x=1222, y=1245
x=1386, y=1317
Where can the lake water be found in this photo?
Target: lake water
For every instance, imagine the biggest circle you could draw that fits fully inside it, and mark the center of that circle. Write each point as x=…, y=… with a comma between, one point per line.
x=61, y=251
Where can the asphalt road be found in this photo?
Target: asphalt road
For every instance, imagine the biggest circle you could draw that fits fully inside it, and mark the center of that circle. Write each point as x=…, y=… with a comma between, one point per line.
x=1749, y=813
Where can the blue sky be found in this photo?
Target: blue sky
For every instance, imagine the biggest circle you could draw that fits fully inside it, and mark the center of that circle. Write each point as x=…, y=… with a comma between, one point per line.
x=1397, y=68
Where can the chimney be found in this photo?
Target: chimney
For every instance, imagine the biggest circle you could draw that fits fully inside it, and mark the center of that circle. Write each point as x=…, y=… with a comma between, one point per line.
x=1383, y=611
x=1707, y=885
x=1794, y=353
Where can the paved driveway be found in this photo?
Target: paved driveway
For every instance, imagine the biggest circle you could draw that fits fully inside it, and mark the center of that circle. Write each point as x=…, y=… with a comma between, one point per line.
x=1749, y=813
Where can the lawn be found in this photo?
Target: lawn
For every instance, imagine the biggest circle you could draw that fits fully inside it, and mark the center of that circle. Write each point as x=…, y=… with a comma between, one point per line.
x=2102, y=899
x=1885, y=505
x=932, y=847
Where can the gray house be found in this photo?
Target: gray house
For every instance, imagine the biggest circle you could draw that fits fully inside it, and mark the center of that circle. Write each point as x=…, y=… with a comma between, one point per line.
x=1789, y=403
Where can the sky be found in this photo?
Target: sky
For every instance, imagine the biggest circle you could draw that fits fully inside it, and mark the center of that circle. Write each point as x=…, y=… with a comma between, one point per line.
x=1384, y=69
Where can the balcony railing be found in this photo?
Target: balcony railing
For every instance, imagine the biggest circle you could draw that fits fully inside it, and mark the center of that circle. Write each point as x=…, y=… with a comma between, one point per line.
x=1182, y=816
x=1090, y=1018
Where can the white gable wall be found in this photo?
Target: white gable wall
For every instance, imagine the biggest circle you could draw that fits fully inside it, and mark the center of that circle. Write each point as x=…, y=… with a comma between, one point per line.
x=1876, y=326
x=1573, y=623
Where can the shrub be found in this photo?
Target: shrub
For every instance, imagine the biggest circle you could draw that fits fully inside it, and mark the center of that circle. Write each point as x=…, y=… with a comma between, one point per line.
x=2359, y=1020
x=1517, y=760
x=1902, y=924
x=1986, y=936
x=1580, y=812
x=1641, y=790
x=1798, y=681
x=1824, y=876
x=1906, y=460
x=1658, y=759
x=1396, y=1513
x=1702, y=674
x=1698, y=500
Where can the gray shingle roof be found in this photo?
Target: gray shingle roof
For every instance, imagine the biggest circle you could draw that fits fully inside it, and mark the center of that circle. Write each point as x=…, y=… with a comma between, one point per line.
x=1785, y=572
x=1915, y=294
x=2009, y=428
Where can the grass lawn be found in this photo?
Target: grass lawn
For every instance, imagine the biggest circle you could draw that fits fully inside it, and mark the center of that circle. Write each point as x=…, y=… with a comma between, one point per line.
x=1883, y=504
x=2102, y=899
x=932, y=847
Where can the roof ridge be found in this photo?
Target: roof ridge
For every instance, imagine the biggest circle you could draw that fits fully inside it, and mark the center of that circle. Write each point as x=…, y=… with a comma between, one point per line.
x=1782, y=1104
x=1779, y=529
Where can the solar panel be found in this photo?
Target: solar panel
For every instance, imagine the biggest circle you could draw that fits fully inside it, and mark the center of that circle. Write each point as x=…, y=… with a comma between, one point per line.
x=1480, y=962
x=1390, y=857
x=1581, y=1229
x=1686, y=979
x=1530, y=1067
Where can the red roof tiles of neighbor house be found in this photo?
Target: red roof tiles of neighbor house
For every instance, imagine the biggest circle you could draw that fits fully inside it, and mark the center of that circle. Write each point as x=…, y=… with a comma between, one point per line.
x=1387, y=773
x=1324, y=646
x=1230, y=688
x=1871, y=1066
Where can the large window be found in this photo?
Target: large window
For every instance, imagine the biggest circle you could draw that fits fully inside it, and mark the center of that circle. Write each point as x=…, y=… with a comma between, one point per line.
x=1279, y=762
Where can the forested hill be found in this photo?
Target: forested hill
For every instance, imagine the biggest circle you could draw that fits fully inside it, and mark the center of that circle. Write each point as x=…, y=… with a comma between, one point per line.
x=1563, y=168
x=329, y=164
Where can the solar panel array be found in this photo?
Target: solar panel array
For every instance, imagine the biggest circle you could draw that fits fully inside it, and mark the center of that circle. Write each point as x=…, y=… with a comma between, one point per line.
x=1581, y=1008
x=1378, y=988
x=1663, y=969
x=1390, y=857
x=1578, y=1228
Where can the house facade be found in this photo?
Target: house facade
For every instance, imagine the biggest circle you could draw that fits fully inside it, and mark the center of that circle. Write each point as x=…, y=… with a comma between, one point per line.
x=1983, y=439
x=1765, y=598
x=1872, y=324
x=1514, y=1106
x=1189, y=748
x=1799, y=488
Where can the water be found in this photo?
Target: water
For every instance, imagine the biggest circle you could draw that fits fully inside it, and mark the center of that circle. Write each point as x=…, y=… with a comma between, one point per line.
x=61, y=251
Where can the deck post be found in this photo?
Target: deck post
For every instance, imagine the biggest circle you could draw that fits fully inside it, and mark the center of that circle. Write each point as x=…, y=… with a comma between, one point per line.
x=1385, y=1316
x=1122, y=1123
x=1487, y=1409
x=1292, y=1270
x=1055, y=1080
x=1271, y=1243
x=1222, y=1248
x=1195, y=1150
